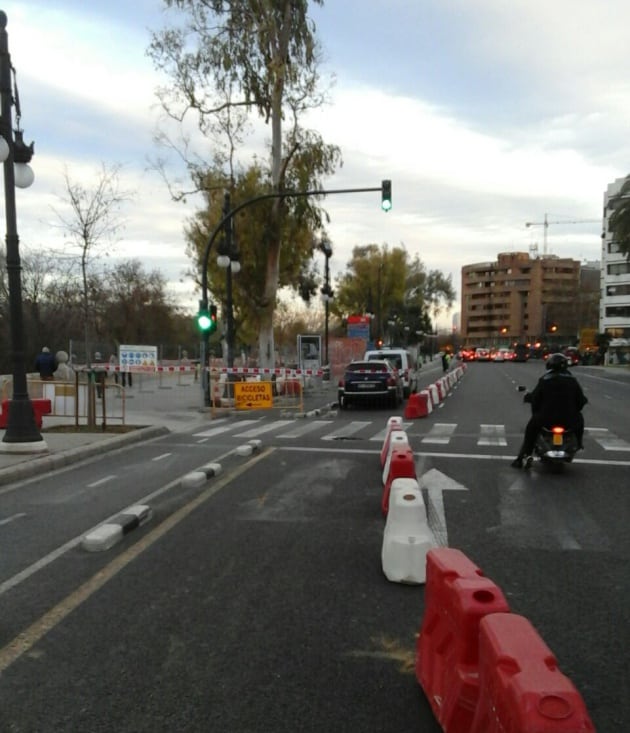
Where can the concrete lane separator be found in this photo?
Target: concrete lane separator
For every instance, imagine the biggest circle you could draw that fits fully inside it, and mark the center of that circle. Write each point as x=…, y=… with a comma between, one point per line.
x=107, y=535
x=249, y=448
x=197, y=478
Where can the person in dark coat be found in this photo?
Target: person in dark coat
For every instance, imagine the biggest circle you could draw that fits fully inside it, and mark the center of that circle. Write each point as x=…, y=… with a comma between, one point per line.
x=557, y=398
x=45, y=364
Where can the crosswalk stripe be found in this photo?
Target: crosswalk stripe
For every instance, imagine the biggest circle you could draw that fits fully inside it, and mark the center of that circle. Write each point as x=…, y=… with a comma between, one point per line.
x=440, y=433
x=492, y=435
x=224, y=428
x=607, y=440
x=382, y=434
x=264, y=428
x=308, y=426
x=346, y=430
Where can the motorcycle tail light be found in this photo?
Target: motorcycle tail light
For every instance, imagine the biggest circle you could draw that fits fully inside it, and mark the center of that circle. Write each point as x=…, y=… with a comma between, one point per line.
x=557, y=430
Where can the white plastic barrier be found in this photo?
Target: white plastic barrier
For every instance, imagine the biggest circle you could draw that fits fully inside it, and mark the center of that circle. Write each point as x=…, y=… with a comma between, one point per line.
x=398, y=439
x=407, y=538
x=435, y=395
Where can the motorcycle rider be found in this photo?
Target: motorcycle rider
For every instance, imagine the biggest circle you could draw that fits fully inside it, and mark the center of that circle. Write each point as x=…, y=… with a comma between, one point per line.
x=557, y=398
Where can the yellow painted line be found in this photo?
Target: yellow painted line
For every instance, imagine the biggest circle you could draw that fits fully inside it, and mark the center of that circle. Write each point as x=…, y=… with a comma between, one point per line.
x=27, y=639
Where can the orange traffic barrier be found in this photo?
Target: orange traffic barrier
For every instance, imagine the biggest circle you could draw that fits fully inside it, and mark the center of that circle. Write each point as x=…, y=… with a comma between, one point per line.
x=418, y=405
x=457, y=597
x=394, y=423
x=401, y=465
x=521, y=689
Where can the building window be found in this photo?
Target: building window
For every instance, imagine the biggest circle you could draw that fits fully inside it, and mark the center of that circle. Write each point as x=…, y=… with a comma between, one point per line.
x=621, y=268
x=618, y=311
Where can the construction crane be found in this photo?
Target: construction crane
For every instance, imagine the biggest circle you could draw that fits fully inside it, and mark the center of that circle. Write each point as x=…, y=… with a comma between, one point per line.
x=546, y=224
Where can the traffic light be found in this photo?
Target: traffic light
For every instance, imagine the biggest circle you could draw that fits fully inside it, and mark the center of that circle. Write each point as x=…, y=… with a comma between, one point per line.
x=207, y=319
x=386, y=195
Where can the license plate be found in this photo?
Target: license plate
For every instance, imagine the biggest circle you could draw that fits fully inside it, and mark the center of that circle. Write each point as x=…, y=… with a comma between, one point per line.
x=557, y=438
x=365, y=385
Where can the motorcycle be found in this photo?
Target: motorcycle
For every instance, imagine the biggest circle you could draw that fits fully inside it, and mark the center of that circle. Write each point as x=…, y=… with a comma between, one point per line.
x=555, y=444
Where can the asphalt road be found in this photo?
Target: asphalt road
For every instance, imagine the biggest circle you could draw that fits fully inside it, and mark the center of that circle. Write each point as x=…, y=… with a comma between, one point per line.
x=258, y=603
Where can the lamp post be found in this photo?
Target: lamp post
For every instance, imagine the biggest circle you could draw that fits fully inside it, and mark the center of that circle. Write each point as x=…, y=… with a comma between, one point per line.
x=228, y=258
x=21, y=435
x=327, y=291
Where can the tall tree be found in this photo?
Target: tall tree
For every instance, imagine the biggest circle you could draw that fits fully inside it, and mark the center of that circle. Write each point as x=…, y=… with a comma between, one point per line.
x=619, y=221
x=260, y=55
x=91, y=219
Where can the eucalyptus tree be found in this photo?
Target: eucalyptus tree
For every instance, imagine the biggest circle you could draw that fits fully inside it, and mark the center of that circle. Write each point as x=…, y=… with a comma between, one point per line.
x=261, y=56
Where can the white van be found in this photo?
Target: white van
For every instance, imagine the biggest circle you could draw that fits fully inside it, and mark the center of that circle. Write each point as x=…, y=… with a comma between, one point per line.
x=403, y=361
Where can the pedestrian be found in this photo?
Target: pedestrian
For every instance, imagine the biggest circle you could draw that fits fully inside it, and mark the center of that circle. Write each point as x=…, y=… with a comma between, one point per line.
x=445, y=361
x=45, y=364
x=113, y=366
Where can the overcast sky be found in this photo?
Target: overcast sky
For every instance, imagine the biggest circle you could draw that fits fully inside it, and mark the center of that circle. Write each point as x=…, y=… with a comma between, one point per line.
x=486, y=114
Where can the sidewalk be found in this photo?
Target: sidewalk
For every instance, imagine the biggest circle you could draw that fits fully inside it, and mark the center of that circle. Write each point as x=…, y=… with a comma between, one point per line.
x=153, y=409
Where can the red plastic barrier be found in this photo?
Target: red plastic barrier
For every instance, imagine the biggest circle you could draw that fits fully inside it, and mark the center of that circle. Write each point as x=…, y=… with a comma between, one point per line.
x=394, y=423
x=521, y=689
x=457, y=597
x=401, y=465
x=40, y=407
x=418, y=405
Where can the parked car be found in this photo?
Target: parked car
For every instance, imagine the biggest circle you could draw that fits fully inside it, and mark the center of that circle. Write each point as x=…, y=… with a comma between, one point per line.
x=373, y=380
x=502, y=355
x=403, y=361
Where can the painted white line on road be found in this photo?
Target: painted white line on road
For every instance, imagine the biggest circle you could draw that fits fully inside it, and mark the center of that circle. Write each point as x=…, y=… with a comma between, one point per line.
x=103, y=480
x=162, y=457
x=437, y=454
x=61, y=550
x=12, y=518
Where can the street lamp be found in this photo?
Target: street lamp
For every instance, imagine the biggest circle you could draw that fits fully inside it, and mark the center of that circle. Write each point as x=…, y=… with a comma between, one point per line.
x=327, y=291
x=21, y=435
x=228, y=258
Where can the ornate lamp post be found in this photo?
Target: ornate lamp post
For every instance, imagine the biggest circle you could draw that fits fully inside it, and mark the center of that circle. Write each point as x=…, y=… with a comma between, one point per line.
x=228, y=258
x=327, y=292
x=21, y=435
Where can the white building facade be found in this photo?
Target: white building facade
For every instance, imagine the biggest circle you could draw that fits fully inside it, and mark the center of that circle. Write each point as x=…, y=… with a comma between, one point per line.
x=614, y=310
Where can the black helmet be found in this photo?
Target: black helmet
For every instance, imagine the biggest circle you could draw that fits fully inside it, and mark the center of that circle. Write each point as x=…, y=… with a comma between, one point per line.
x=557, y=362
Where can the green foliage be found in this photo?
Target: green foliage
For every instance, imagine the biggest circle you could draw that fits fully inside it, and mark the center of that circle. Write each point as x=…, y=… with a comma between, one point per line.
x=619, y=221
x=399, y=292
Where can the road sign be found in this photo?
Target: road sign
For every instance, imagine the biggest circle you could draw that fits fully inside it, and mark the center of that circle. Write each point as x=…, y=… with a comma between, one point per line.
x=252, y=395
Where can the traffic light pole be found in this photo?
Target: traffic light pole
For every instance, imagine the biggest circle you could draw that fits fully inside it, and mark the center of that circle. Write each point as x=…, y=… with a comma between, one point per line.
x=385, y=189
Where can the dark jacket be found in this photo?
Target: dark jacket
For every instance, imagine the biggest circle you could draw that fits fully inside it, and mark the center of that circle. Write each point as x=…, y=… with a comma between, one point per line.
x=45, y=364
x=558, y=398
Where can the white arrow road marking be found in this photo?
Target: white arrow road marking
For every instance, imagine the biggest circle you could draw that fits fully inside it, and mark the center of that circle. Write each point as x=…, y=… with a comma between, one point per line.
x=436, y=482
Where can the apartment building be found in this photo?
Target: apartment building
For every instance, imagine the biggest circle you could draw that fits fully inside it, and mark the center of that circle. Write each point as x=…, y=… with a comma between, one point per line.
x=614, y=313
x=520, y=298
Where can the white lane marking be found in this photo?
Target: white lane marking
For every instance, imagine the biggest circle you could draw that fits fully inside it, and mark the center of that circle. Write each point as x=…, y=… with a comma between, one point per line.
x=492, y=435
x=160, y=458
x=11, y=518
x=103, y=480
x=444, y=454
x=440, y=433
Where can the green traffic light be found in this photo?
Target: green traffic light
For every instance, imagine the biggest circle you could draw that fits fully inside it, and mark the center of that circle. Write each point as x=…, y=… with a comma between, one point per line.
x=204, y=321
x=386, y=195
